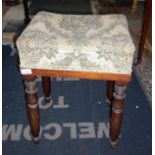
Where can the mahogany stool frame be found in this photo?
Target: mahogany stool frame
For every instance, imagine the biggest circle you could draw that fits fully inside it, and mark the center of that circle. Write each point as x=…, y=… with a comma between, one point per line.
x=116, y=94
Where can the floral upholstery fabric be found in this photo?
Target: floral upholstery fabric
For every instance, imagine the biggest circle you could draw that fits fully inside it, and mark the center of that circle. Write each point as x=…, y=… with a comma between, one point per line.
x=87, y=43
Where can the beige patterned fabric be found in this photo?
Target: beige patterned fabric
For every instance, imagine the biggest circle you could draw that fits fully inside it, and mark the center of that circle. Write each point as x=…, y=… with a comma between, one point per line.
x=87, y=43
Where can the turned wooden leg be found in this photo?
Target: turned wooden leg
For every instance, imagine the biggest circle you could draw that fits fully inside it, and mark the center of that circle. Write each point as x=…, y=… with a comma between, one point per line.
x=146, y=21
x=117, y=112
x=110, y=89
x=134, y=5
x=32, y=107
x=26, y=11
x=46, y=84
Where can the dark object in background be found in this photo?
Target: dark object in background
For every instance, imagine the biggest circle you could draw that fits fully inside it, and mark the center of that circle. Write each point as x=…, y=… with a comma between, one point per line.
x=61, y=6
x=11, y=2
x=121, y=1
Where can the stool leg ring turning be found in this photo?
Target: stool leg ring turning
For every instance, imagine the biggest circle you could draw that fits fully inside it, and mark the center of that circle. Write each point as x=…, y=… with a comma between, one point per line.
x=117, y=112
x=32, y=107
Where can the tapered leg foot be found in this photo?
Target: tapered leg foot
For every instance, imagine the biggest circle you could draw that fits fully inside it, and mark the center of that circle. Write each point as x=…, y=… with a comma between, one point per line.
x=117, y=112
x=113, y=144
x=35, y=140
x=32, y=106
x=46, y=84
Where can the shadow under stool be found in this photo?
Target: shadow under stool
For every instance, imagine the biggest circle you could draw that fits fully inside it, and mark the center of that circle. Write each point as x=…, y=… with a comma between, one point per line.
x=80, y=46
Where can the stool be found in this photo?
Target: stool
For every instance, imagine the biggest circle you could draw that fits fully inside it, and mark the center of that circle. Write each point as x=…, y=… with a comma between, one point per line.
x=79, y=46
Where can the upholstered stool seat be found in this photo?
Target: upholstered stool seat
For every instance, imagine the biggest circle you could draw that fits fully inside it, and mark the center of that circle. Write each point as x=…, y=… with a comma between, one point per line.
x=77, y=43
x=83, y=46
